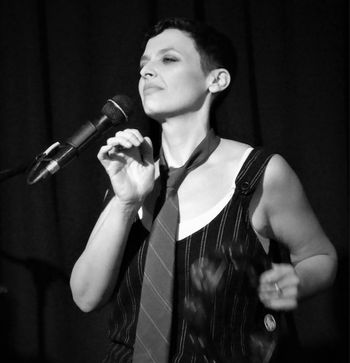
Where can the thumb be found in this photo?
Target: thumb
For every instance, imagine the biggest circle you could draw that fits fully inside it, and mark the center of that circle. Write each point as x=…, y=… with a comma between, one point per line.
x=146, y=149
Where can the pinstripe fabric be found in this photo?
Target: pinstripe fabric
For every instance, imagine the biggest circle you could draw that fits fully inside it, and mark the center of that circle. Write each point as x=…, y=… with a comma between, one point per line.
x=156, y=305
x=234, y=313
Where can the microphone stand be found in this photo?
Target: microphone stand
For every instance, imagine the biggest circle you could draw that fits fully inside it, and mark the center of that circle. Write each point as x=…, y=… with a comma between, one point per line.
x=17, y=170
x=6, y=174
x=43, y=273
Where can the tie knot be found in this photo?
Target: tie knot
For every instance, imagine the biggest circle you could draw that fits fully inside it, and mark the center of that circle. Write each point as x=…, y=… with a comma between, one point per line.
x=173, y=177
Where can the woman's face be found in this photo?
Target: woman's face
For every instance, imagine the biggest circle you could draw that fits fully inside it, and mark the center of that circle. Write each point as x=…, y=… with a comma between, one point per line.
x=172, y=81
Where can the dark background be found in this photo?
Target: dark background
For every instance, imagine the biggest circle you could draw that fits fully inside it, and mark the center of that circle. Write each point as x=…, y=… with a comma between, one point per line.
x=61, y=60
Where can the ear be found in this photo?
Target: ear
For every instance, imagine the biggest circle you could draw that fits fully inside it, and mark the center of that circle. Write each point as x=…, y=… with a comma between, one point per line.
x=219, y=80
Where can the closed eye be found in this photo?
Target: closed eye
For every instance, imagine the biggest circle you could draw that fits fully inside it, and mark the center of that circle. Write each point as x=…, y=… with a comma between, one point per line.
x=169, y=59
x=165, y=60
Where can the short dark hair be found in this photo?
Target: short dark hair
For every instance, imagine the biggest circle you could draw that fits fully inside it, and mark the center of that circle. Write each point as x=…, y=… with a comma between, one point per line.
x=215, y=49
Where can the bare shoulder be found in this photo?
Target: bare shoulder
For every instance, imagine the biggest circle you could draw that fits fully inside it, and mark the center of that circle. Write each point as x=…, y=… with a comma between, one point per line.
x=286, y=215
x=278, y=166
x=277, y=191
x=280, y=176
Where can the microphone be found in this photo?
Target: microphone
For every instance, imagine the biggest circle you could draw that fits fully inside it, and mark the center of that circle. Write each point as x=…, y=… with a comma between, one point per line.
x=114, y=112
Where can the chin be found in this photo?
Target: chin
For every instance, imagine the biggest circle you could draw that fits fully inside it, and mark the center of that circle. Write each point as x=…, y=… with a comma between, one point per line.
x=155, y=111
x=160, y=110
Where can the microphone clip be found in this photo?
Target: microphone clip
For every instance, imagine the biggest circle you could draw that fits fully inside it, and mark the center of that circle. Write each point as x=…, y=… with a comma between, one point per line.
x=44, y=155
x=39, y=159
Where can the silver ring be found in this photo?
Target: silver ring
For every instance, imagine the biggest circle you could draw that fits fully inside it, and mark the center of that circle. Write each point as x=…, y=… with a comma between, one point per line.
x=278, y=289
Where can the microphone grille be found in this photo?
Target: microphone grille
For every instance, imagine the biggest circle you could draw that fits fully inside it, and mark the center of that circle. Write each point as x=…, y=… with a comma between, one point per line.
x=117, y=104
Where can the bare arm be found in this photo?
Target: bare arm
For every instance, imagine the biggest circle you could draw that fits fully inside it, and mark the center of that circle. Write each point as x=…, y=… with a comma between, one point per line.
x=289, y=219
x=131, y=171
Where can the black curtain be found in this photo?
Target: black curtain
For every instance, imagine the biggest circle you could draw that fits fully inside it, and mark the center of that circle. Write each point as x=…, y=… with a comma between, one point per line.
x=61, y=60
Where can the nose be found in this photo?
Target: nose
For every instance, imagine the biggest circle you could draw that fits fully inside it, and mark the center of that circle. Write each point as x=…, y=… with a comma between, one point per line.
x=148, y=71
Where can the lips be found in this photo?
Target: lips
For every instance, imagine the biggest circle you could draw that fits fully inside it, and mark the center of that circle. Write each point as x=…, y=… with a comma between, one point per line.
x=150, y=88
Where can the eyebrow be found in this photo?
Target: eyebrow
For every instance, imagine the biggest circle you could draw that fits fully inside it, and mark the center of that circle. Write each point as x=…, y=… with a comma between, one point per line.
x=162, y=51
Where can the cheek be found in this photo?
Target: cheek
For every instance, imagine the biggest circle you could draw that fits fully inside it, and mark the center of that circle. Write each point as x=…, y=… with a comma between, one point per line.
x=190, y=83
x=140, y=86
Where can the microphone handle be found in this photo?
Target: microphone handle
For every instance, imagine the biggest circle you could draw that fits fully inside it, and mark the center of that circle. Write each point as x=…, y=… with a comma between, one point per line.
x=77, y=142
x=88, y=132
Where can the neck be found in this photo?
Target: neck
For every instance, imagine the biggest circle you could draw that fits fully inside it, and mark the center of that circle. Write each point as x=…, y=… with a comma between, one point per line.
x=181, y=135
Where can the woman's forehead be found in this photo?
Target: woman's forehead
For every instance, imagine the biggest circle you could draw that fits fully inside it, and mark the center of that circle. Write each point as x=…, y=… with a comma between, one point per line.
x=174, y=39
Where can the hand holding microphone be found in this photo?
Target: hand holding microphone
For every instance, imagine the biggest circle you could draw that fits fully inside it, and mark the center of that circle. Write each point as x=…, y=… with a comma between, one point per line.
x=128, y=160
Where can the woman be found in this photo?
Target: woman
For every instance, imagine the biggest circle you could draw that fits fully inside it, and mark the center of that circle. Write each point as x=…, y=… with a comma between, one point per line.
x=231, y=207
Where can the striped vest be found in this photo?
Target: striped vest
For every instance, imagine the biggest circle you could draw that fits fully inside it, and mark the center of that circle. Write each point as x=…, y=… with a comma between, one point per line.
x=238, y=327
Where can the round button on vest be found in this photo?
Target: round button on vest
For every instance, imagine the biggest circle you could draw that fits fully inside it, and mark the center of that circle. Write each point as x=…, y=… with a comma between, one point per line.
x=270, y=322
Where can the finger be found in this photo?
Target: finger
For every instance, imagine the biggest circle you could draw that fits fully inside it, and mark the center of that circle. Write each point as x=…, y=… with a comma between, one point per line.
x=286, y=287
x=110, y=153
x=135, y=133
x=284, y=281
x=290, y=292
x=277, y=272
x=103, y=152
x=120, y=140
x=279, y=293
x=270, y=288
x=291, y=279
x=134, y=136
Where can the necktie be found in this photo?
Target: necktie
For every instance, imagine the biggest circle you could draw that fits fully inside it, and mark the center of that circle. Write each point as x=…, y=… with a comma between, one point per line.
x=154, y=322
